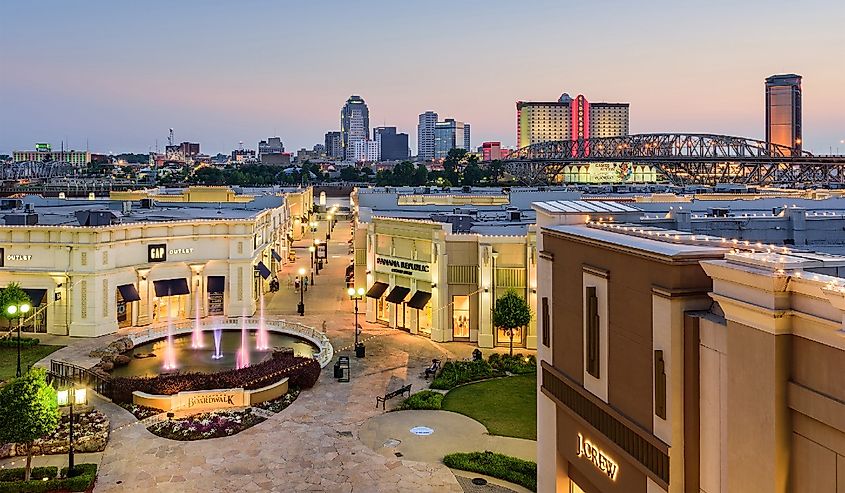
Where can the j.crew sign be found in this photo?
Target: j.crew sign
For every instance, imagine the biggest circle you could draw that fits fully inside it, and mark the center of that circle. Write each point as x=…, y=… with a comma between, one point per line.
x=595, y=455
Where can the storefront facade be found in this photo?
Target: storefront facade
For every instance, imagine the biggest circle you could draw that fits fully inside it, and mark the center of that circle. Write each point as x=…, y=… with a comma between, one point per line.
x=88, y=281
x=423, y=279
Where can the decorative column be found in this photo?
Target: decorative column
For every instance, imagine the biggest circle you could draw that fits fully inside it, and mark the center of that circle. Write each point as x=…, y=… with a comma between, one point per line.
x=486, y=293
x=196, y=298
x=144, y=316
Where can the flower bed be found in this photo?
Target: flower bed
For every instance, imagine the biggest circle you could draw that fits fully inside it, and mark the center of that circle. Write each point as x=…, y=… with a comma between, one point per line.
x=455, y=373
x=82, y=480
x=201, y=426
x=90, y=434
x=424, y=399
x=141, y=412
x=301, y=372
x=516, y=364
x=212, y=424
x=13, y=342
x=517, y=471
x=280, y=403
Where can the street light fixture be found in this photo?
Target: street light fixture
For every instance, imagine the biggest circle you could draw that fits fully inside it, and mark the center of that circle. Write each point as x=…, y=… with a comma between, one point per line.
x=20, y=311
x=69, y=397
x=301, y=307
x=356, y=295
x=312, y=249
x=319, y=262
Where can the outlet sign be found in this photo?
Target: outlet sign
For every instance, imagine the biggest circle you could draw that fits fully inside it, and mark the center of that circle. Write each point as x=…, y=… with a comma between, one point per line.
x=599, y=459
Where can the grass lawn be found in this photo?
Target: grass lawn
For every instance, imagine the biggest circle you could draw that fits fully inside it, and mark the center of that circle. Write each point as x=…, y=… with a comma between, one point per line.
x=506, y=406
x=29, y=355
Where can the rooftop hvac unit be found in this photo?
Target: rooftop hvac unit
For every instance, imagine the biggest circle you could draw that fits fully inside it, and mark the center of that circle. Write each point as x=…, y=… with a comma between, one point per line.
x=29, y=208
x=21, y=219
x=146, y=203
x=515, y=215
x=127, y=207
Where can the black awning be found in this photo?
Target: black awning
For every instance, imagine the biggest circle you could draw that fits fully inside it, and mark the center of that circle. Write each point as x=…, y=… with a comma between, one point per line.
x=262, y=269
x=216, y=284
x=171, y=287
x=36, y=296
x=419, y=300
x=377, y=289
x=128, y=292
x=275, y=255
x=398, y=294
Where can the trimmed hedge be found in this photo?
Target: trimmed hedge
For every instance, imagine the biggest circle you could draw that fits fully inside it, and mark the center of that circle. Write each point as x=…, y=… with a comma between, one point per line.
x=455, y=373
x=40, y=473
x=516, y=364
x=424, y=399
x=511, y=469
x=302, y=373
x=84, y=479
x=13, y=342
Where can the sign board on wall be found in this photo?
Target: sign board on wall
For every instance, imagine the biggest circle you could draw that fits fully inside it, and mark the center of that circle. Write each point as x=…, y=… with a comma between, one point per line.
x=600, y=460
x=215, y=303
x=412, y=268
x=210, y=399
x=157, y=252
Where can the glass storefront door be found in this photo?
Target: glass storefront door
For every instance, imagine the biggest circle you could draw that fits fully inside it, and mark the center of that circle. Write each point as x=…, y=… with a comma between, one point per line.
x=503, y=339
x=382, y=310
x=460, y=317
x=169, y=307
x=124, y=311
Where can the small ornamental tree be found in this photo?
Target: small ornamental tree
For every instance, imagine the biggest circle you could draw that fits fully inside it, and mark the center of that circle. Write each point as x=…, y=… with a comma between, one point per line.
x=12, y=295
x=511, y=312
x=28, y=410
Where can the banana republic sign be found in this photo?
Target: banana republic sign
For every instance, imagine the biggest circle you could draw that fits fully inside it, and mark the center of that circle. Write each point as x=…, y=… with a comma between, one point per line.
x=595, y=455
x=405, y=267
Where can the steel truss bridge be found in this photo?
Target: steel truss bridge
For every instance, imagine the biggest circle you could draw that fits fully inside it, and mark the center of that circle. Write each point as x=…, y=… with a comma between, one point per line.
x=681, y=159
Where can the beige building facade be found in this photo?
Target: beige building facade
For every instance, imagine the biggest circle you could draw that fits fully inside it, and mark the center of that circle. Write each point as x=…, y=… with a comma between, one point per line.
x=676, y=362
x=422, y=278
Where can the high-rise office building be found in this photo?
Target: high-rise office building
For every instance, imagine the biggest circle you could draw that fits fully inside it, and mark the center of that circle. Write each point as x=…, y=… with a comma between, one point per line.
x=783, y=110
x=272, y=145
x=334, y=145
x=448, y=135
x=568, y=119
x=425, y=136
x=491, y=151
x=365, y=151
x=393, y=146
x=354, y=124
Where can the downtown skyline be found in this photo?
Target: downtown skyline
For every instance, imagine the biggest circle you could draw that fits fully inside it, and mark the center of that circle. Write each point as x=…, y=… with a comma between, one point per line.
x=118, y=76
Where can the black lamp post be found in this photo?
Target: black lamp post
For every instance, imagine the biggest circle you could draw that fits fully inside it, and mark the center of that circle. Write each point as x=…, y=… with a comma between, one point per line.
x=313, y=250
x=69, y=397
x=356, y=295
x=20, y=311
x=301, y=307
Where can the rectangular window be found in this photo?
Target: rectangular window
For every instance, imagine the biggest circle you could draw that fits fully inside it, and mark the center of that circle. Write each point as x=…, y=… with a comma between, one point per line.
x=659, y=384
x=545, y=321
x=460, y=316
x=593, y=346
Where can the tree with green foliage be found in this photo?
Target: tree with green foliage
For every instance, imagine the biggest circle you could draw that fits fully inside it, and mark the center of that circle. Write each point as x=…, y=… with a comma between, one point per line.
x=420, y=175
x=349, y=173
x=28, y=411
x=495, y=169
x=510, y=313
x=12, y=295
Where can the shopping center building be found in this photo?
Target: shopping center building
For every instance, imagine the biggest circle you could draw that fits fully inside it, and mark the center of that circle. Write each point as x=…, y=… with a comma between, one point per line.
x=681, y=361
x=434, y=263
x=93, y=266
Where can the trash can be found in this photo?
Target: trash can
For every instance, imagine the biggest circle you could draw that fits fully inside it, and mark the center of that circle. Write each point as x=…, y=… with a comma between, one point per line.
x=338, y=373
x=360, y=351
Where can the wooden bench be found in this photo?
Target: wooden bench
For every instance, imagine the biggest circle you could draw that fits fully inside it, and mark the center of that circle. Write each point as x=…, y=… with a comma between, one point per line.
x=390, y=395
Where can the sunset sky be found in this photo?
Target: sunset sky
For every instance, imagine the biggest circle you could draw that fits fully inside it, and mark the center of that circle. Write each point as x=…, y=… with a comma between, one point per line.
x=119, y=74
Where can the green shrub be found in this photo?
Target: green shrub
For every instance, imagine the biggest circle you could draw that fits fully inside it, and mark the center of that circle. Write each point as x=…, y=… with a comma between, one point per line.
x=13, y=342
x=84, y=478
x=455, y=373
x=425, y=399
x=517, y=471
x=17, y=473
x=516, y=364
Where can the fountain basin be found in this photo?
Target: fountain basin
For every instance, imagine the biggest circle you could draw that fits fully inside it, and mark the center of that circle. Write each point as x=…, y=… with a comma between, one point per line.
x=203, y=360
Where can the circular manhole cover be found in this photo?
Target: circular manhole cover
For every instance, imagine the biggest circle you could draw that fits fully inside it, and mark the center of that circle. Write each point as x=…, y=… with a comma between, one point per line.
x=422, y=431
x=479, y=481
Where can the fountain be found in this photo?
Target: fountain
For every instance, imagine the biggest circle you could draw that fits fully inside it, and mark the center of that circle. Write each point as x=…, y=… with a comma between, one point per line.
x=218, y=353
x=196, y=337
x=262, y=337
x=169, y=350
x=242, y=360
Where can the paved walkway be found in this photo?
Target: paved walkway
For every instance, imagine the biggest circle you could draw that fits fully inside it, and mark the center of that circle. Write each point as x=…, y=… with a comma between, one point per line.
x=313, y=445
x=390, y=433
